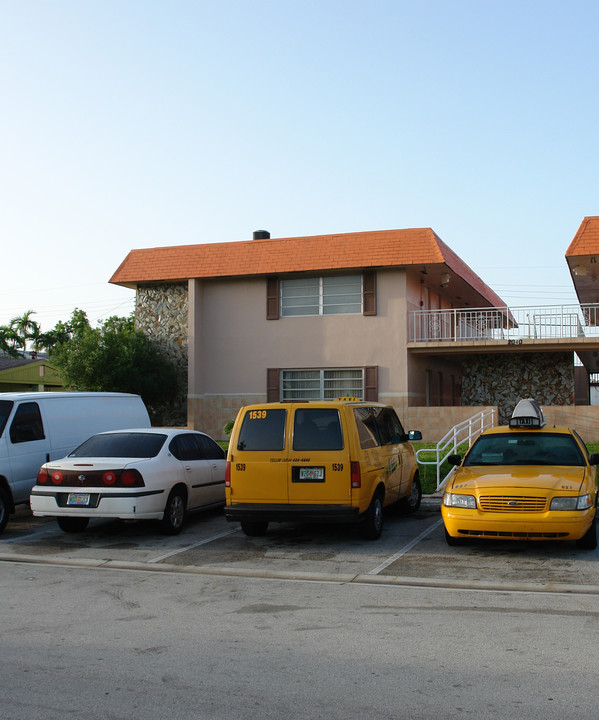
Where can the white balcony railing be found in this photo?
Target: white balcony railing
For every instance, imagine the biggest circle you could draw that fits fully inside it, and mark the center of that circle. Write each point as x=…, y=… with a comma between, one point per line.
x=504, y=323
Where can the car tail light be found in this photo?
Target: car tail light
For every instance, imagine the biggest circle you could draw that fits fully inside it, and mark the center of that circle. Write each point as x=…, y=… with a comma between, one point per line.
x=42, y=477
x=56, y=477
x=131, y=477
x=356, y=477
x=228, y=474
x=109, y=478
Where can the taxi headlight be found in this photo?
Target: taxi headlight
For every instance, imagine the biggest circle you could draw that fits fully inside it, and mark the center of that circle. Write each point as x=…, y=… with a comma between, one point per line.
x=582, y=502
x=459, y=500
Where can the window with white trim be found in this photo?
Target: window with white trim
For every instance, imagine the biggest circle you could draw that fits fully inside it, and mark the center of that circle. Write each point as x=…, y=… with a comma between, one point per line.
x=322, y=384
x=328, y=295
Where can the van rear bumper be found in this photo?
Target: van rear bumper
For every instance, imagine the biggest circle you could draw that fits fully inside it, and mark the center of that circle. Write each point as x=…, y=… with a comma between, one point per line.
x=292, y=513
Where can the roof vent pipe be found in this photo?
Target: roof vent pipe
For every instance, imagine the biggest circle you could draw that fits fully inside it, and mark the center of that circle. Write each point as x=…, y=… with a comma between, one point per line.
x=261, y=235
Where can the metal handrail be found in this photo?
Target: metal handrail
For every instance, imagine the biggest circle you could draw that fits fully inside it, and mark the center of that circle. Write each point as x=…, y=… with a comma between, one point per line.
x=504, y=323
x=464, y=431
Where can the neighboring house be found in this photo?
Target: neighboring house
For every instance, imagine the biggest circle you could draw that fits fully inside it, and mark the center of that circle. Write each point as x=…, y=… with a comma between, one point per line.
x=31, y=373
x=394, y=316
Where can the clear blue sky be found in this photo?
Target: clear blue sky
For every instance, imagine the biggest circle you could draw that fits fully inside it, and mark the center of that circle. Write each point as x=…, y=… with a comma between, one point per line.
x=143, y=123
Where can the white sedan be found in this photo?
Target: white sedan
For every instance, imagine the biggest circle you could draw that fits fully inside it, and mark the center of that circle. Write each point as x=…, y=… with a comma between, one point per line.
x=141, y=474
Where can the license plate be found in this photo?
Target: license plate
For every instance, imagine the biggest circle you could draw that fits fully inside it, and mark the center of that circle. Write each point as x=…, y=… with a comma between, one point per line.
x=311, y=473
x=78, y=499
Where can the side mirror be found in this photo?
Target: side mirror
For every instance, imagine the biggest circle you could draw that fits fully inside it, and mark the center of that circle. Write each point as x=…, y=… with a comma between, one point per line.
x=454, y=460
x=594, y=459
x=414, y=435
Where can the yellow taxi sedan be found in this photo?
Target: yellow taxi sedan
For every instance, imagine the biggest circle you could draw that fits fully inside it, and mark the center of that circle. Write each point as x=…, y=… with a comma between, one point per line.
x=523, y=482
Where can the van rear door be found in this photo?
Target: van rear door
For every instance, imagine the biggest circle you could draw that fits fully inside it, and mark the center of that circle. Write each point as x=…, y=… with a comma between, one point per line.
x=259, y=461
x=319, y=464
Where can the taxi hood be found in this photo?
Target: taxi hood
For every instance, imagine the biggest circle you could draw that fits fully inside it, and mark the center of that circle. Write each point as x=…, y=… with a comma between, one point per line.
x=518, y=477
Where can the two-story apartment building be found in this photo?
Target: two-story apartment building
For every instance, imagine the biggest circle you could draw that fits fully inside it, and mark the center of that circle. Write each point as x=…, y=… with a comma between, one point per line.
x=394, y=316
x=305, y=317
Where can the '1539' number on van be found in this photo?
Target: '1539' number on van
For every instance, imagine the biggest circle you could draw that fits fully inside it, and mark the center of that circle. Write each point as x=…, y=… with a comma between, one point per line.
x=257, y=414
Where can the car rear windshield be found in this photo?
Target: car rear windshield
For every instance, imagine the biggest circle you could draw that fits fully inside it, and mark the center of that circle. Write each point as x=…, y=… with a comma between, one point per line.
x=263, y=429
x=532, y=448
x=317, y=429
x=121, y=445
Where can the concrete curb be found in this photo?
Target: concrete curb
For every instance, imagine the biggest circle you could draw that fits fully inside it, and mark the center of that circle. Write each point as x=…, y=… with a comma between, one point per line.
x=342, y=578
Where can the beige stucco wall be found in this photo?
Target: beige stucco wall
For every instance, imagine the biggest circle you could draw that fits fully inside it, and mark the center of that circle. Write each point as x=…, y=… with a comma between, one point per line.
x=231, y=344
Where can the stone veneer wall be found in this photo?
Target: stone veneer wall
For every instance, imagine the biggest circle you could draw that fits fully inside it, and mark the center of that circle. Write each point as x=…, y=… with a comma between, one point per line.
x=502, y=380
x=161, y=313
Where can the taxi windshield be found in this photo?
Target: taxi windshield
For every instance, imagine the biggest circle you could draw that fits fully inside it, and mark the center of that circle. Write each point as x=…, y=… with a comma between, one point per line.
x=534, y=448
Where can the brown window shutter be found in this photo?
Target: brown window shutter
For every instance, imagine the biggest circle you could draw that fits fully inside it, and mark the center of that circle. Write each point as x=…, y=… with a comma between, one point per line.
x=273, y=391
x=369, y=292
x=371, y=383
x=272, y=298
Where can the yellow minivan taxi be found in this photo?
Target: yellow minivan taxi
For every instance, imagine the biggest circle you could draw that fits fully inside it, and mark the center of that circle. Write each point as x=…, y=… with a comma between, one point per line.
x=523, y=482
x=319, y=461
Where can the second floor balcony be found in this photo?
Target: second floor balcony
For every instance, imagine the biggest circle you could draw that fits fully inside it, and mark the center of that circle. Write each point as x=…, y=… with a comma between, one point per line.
x=559, y=324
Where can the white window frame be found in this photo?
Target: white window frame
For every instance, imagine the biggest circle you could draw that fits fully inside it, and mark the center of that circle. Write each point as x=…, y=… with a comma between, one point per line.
x=321, y=379
x=324, y=299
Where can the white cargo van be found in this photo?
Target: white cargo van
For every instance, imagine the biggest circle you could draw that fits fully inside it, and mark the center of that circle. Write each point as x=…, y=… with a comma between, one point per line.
x=36, y=427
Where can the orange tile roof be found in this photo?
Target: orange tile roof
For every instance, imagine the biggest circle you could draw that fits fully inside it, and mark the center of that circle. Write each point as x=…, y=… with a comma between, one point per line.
x=586, y=240
x=347, y=251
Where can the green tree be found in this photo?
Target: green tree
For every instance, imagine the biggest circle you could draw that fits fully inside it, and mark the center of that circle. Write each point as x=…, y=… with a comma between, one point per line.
x=9, y=341
x=64, y=331
x=112, y=357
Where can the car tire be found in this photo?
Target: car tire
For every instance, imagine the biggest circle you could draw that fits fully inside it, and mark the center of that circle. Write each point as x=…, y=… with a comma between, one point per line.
x=174, y=512
x=372, y=524
x=3, y=510
x=72, y=524
x=589, y=540
x=453, y=541
x=254, y=528
x=411, y=503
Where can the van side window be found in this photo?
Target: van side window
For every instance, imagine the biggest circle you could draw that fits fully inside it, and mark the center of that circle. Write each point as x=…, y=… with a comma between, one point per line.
x=367, y=429
x=263, y=430
x=27, y=424
x=5, y=410
x=317, y=429
x=390, y=430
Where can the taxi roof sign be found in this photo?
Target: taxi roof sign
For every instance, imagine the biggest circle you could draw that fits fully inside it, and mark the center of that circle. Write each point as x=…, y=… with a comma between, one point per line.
x=527, y=414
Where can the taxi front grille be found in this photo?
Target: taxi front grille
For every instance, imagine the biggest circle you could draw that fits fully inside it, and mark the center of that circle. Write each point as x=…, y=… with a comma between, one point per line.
x=499, y=534
x=512, y=503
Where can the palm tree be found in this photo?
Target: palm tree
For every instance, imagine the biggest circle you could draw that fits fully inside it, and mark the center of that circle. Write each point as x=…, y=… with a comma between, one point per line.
x=25, y=329
x=9, y=341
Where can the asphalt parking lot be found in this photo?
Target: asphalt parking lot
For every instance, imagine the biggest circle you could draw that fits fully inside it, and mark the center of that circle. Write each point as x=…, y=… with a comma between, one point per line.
x=411, y=551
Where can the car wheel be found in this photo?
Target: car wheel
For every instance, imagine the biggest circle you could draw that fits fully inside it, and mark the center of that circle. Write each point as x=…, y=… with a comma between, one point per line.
x=589, y=540
x=3, y=510
x=254, y=528
x=411, y=503
x=72, y=524
x=174, y=512
x=372, y=525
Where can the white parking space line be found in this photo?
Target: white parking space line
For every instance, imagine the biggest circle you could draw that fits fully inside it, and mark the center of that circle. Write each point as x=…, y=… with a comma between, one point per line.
x=405, y=549
x=194, y=545
x=46, y=529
